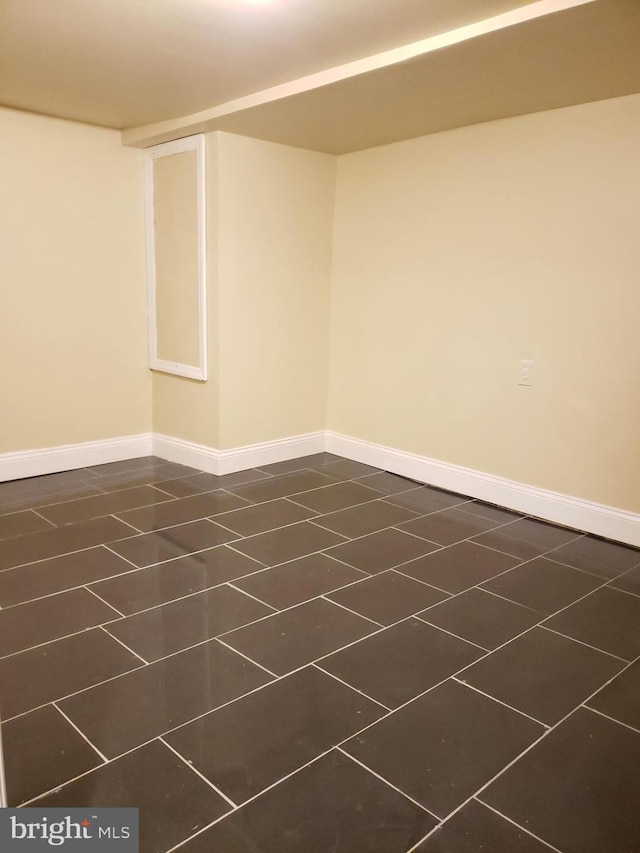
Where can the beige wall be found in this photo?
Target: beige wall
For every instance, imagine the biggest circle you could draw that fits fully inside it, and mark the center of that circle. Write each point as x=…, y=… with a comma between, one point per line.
x=72, y=285
x=458, y=254
x=274, y=264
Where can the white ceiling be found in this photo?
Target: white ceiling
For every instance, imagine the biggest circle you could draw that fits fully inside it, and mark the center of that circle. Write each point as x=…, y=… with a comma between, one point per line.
x=159, y=69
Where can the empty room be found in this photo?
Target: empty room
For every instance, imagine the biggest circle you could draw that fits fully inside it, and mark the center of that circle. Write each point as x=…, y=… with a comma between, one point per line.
x=320, y=426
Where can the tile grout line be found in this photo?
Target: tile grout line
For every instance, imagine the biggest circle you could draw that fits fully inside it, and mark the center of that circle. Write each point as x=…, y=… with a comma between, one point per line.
x=351, y=687
x=254, y=597
x=249, y=800
x=251, y=660
x=198, y=773
x=112, y=513
x=353, y=612
x=124, y=646
x=607, y=717
x=546, y=734
x=106, y=603
x=386, y=781
x=51, y=524
x=87, y=584
x=59, y=787
x=57, y=556
x=581, y=642
x=499, y=701
x=617, y=589
x=445, y=631
x=83, y=736
x=522, y=828
x=114, y=516
x=107, y=545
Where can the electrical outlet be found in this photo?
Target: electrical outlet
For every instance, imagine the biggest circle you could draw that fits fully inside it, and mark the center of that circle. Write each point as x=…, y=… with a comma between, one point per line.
x=526, y=372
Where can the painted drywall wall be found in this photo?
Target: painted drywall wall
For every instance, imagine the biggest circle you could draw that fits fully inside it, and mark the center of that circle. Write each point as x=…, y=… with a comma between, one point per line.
x=185, y=408
x=458, y=254
x=72, y=285
x=275, y=219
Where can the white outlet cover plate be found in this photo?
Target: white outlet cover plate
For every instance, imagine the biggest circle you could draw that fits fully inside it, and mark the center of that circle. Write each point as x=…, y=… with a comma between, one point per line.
x=526, y=372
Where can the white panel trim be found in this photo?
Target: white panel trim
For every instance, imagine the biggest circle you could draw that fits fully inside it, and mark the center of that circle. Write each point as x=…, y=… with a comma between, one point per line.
x=240, y=458
x=190, y=143
x=51, y=460
x=558, y=508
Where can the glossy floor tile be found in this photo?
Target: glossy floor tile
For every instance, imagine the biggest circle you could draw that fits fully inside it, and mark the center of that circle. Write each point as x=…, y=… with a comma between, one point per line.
x=295, y=637
x=597, y=556
x=398, y=664
x=59, y=573
x=543, y=585
x=387, y=597
x=425, y=499
x=41, y=751
x=376, y=552
x=70, y=512
x=173, y=801
x=20, y=523
x=60, y=540
x=50, y=618
x=144, y=588
x=338, y=496
x=49, y=672
x=332, y=805
x=287, y=543
x=458, y=567
x=543, y=674
x=281, y=487
x=127, y=711
x=629, y=582
x=265, y=516
x=365, y=518
x=448, y=526
x=317, y=656
x=299, y=580
x=175, y=512
x=390, y=484
x=477, y=828
x=442, y=747
x=526, y=538
x=246, y=747
x=149, y=548
x=171, y=627
x=620, y=699
x=482, y=618
x=607, y=619
x=578, y=788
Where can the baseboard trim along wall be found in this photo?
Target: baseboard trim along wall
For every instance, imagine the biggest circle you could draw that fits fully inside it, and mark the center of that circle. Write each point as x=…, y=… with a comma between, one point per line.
x=67, y=457
x=240, y=458
x=562, y=509
x=558, y=508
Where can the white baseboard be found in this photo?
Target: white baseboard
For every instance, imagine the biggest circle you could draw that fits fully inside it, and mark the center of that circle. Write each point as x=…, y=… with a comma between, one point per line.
x=599, y=519
x=562, y=509
x=50, y=460
x=240, y=458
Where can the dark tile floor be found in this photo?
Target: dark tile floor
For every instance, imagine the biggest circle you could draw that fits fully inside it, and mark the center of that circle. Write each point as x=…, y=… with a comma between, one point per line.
x=317, y=657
